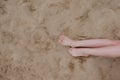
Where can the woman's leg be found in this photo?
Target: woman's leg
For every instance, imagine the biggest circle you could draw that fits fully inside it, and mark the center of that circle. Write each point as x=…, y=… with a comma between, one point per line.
x=110, y=51
x=87, y=43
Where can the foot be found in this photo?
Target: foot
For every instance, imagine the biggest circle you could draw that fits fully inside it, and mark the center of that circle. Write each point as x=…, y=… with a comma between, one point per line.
x=78, y=52
x=66, y=41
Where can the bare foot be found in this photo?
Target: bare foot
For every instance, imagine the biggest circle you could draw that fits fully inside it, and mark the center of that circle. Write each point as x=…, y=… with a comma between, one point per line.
x=97, y=47
x=92, y=43
x=78, y=52
x=66, y=41
x=109, y=51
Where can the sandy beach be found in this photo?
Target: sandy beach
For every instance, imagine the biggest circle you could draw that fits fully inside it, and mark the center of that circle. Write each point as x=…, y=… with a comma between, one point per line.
x=29, y=31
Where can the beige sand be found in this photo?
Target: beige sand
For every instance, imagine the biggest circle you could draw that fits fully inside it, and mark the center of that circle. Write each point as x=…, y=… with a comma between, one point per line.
x=29, y=30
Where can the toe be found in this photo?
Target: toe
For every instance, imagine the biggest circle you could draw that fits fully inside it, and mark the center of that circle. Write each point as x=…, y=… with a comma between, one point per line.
x=60, y=40
x=72, y=52
x=65, y=40
x=62, y=37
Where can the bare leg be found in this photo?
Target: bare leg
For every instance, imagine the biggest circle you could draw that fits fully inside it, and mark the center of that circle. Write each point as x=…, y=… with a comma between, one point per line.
x=87, y=43
x=110, y=51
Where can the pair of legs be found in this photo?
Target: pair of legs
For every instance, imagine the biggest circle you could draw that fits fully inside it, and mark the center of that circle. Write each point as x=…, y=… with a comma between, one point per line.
x=96, y=47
